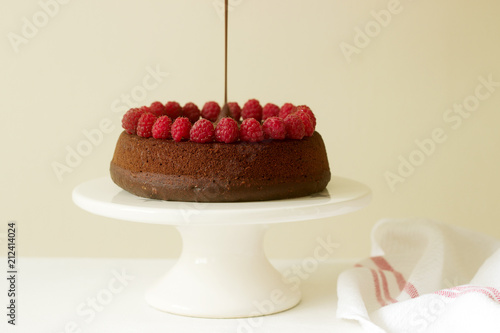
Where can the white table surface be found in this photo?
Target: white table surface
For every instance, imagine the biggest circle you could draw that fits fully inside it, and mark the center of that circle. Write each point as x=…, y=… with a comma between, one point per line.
x=59, y=295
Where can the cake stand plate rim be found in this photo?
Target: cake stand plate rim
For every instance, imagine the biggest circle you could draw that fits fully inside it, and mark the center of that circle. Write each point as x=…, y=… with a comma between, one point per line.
x=102, y=197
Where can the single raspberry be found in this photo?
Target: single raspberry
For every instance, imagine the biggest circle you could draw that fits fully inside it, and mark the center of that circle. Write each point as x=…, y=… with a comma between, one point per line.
x=295, y=128
x=157, y=108
x=308, y=124
x=130, y=119
x=191, y=111
x=252, y=109
x=274, y=128
x=202, y=131
x=180, y=129
x=270, y=110
x=145, y=125
x=227, y=130
x=161, y=127
x=173, y=110
x=210, y=111
x=145, y=109
x=251, y=130
x=234, y=110
x=307, y=110
x=287, y=109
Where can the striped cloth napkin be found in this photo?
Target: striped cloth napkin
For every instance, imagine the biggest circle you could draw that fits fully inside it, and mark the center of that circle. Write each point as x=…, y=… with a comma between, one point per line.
x=424, y=276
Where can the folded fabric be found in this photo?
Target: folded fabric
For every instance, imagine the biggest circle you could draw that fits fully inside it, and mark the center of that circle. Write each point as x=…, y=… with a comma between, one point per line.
x=424, y=276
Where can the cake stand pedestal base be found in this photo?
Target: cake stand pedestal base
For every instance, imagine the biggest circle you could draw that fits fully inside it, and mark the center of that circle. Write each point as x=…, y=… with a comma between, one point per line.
x=223, y=273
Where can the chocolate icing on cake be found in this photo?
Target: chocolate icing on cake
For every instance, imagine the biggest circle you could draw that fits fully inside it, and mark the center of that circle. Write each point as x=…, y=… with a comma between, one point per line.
x=220, y=172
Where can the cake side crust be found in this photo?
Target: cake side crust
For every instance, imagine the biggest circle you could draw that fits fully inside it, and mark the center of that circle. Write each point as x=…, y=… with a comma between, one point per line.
x=215, y=172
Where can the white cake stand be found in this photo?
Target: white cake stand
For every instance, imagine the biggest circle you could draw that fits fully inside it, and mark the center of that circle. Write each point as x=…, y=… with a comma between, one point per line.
x=223, y=271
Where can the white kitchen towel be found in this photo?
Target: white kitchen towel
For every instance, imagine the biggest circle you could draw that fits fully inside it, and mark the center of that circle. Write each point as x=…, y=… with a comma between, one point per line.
x=424, y=276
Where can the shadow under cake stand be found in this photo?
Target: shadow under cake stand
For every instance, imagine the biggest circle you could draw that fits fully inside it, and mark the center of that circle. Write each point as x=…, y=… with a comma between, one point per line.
x=223, y=271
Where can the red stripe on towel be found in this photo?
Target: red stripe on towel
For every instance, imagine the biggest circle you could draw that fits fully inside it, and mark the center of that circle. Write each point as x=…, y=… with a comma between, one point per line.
x=400, y=279
x=376, y=283
x=385, y=287
x=495, y=292
x=490, y=292
x=411, y=290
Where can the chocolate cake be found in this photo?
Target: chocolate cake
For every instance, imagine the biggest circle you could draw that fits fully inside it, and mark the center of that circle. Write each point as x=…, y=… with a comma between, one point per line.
x=217, y=171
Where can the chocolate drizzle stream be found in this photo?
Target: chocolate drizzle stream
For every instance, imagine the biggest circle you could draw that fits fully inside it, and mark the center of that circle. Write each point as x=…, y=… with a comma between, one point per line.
x=225, y=109
x=225, y=51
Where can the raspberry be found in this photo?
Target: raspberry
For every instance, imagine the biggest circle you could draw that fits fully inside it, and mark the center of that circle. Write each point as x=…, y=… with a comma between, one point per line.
x=308, y=124
x=251, y=131
x=202, y=131
x=145, y=109
x=173, y=110
x=307, y=110
x=157, y=108
x=191, y=111
x=274, y=128
x=130, y=119
x=180, y=129
x=286, y=109
x=234, y=110
x=295, y=128
x=270, y=110
x=252, y=109
x=161, y=127
x=145, y=125
x=226, y=130
x=210, y=111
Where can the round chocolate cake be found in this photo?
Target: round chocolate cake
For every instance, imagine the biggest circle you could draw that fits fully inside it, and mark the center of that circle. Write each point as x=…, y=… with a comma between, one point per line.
x=220, y=172
x=166, y=152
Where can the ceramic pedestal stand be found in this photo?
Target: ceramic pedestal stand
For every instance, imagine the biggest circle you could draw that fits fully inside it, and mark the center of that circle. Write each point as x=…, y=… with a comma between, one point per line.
x=223, y=271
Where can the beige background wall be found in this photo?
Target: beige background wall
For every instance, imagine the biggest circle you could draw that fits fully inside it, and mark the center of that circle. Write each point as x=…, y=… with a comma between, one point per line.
x=375, y=96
